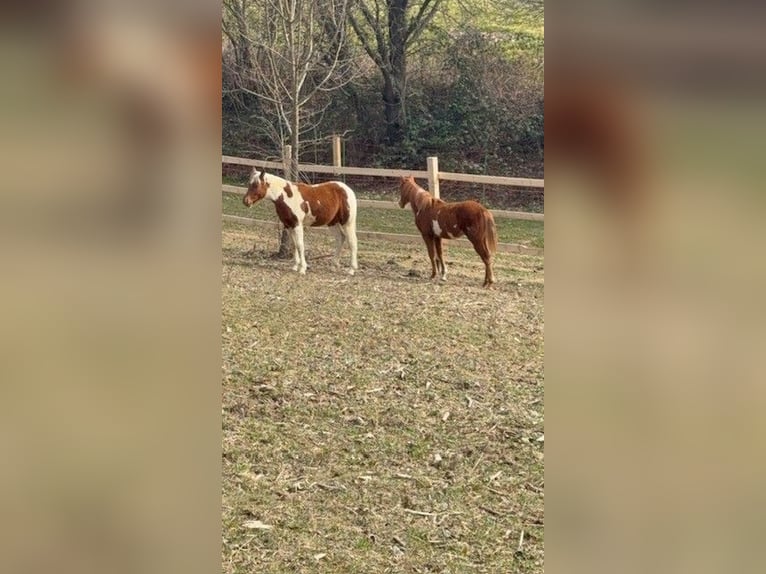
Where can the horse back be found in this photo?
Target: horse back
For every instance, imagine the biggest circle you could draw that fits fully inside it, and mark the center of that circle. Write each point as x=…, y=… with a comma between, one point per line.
x=327, y=203
x=450, y=220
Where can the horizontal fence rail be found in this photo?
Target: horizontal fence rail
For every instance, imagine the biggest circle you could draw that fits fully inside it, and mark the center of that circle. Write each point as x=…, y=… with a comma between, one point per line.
x=251, y=162
x=331, y=169
x=381, y=204
x=493, y=179
x=372, y=171
x=432, y=174
x=535, y=184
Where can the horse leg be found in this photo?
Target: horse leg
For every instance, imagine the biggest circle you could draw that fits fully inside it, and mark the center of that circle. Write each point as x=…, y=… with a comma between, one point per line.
x=349, y=230
x=431, y=253
x=440, y=258
x=296, y=253
x=486, y=257
x=301, y=249
x=339, y=237
x=489, y=276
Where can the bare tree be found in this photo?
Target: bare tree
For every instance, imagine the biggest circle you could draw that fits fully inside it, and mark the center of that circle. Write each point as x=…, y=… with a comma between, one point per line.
x=298, y=49
x=236, y=27
x=387, y=29
x=298, y=54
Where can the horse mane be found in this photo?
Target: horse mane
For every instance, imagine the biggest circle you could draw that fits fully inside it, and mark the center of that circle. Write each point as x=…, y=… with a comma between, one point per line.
x=272, y=179
x=419, y=197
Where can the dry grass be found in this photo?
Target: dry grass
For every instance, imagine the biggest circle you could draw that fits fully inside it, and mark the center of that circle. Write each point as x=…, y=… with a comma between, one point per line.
x=381, y=422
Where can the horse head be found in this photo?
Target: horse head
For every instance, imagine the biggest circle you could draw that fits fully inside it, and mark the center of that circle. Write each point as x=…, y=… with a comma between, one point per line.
x=406, y=185
x=257, y=188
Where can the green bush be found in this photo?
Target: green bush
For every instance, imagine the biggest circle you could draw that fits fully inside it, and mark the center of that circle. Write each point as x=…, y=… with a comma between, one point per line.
x=475, y=104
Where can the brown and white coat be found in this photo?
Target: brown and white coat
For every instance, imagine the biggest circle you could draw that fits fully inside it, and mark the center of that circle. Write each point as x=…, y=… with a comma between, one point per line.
x=437, y=220
x=331, y=203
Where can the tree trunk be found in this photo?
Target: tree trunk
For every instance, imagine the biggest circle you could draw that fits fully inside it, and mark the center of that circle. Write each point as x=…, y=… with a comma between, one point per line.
x=393, y=103
x=242, y=49
x=285, y=245
x=394, y=93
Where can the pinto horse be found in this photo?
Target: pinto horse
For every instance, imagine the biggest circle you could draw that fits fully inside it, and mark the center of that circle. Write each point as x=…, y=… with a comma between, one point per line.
x=332, y=203
x=437, y=219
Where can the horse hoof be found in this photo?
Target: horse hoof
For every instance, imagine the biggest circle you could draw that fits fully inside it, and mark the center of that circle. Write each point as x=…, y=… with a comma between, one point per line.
x=351, y=271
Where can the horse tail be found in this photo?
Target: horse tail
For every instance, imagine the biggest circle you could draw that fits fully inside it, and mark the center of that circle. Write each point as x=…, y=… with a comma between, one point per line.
x=490, y=231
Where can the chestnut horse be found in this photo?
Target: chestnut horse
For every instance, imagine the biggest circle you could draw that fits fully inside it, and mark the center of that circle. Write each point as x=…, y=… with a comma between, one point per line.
x=332, y=203
x=437, y=219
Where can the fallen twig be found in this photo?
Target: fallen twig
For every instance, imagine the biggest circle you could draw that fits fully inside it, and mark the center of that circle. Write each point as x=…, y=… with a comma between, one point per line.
x=491, y=511
x=329, y=486
x=420, y=513
x=476, y=464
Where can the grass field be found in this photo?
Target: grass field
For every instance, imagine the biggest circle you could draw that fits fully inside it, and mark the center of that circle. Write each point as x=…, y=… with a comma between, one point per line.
x=381, y=422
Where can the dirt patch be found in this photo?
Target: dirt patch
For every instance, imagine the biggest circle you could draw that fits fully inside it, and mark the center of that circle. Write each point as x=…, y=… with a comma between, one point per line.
x=380, y=422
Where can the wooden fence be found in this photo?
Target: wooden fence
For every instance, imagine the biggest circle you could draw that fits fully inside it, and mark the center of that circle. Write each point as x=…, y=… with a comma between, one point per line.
x=432, y=173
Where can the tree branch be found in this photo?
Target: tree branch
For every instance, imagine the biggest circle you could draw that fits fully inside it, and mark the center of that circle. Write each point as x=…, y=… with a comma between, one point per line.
x=421, y=19
x=382, y=60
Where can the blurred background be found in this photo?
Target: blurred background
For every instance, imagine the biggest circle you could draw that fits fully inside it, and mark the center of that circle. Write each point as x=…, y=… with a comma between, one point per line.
x=655, y=335
x=109, y=246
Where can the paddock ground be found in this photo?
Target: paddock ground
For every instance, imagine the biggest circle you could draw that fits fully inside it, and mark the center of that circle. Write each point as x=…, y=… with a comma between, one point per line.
x=382, y=422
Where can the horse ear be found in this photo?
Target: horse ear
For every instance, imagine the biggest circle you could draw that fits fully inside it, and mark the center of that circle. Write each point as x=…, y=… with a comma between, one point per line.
x=263, y=175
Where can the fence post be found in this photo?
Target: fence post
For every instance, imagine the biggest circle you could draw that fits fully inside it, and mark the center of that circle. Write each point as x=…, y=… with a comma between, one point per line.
x=287, y=151
x=433, y=175
x=336, y=159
